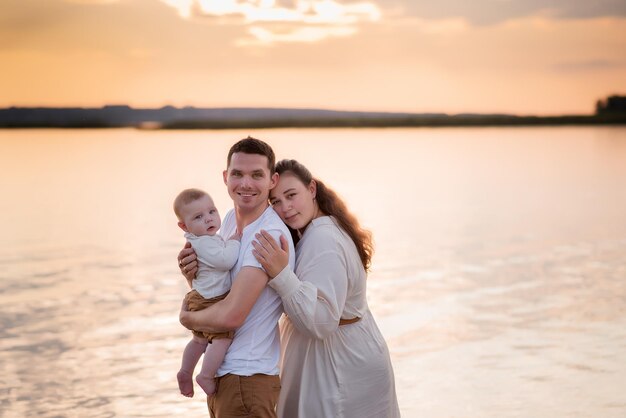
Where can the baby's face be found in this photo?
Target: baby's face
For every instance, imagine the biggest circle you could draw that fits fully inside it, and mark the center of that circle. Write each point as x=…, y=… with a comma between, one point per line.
x=201, y=217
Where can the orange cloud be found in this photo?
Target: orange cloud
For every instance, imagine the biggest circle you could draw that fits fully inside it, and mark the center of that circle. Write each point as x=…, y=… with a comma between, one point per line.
x=304, y=21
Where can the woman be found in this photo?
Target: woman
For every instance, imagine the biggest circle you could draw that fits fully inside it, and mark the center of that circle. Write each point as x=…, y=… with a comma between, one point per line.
x=334, y=360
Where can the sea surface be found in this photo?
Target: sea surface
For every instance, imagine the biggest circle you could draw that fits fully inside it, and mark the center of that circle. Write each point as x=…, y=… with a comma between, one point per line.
x=499, y=279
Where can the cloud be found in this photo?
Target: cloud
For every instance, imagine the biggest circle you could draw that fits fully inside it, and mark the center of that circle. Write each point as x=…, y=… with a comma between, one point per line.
x=254, y=11
x=92, y=1
x=483, y=12
x=273, y=21
x=589, y=65
x=440, y=26
x=308, y=34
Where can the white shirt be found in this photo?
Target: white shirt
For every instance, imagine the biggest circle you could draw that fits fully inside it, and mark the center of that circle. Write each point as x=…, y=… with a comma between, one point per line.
x=215, y=259
x=256, y=345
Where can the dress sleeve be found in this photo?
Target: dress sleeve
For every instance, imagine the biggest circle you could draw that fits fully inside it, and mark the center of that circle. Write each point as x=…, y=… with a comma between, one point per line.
x=315, y=300
x=217, y=254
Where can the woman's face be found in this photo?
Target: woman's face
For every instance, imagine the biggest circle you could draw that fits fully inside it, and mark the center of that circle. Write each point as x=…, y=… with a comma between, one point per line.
x=293, y=201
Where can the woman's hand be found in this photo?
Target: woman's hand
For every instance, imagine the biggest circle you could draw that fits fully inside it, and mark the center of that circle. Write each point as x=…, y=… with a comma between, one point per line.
x=272, y=257
x=187, y=262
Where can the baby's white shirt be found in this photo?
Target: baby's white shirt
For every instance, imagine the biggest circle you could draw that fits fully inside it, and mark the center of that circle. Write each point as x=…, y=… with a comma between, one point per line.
x=215, y=259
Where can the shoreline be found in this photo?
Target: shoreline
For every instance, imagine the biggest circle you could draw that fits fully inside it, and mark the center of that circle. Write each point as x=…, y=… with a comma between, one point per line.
x=403, y=122
x=364, y=122
x=190, y=118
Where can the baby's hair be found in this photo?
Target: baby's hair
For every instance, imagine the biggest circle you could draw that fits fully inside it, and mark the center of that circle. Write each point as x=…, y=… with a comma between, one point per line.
x=185, y=197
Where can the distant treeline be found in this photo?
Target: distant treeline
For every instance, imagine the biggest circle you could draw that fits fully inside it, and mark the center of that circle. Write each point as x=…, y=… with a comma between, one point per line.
x=611, y=110
x=612, y=105
x=414, y=121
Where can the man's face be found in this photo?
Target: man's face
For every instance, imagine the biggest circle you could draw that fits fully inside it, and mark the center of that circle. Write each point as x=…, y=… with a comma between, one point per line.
x=248, y=180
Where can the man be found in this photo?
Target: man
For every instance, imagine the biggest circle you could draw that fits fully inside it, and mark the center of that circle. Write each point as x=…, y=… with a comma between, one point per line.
x=248, y=384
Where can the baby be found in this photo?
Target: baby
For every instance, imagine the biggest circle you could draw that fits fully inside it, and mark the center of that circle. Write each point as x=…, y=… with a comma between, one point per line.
x=198, y=217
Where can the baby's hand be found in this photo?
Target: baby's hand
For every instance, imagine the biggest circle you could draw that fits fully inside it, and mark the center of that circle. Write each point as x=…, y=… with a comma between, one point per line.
x=236, y=236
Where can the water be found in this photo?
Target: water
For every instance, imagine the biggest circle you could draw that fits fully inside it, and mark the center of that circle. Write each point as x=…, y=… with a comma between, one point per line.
x=499, y=280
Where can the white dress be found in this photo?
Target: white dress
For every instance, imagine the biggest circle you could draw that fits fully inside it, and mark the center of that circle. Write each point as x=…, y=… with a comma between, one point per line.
x=329, y=370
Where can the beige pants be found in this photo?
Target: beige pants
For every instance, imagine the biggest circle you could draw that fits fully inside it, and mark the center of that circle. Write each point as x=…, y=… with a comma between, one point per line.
x=196, y=302
x=245, y=396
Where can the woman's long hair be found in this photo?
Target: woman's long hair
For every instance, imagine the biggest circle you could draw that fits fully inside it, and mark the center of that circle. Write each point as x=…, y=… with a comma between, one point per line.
x=331, y=204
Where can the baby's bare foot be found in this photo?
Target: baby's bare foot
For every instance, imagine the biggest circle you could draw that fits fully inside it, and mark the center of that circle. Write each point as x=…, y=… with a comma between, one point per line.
x=185, y=383
x=207, y=384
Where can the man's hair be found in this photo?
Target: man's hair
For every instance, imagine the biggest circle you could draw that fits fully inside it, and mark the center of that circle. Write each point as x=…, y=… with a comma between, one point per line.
x=185, y=197
x=251, y=145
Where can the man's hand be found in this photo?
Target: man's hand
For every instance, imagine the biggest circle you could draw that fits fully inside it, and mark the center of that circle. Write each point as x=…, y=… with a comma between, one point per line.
x=184, y=317
x=187, y=262
x=230, y=313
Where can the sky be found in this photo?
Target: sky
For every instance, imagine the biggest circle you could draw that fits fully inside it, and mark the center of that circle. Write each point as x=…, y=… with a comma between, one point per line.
x=453, y=56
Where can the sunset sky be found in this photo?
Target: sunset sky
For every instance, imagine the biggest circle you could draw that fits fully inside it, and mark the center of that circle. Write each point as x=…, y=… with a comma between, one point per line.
x=514, y=56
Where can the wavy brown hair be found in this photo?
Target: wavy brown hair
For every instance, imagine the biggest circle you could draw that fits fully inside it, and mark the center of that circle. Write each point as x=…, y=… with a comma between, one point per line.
x=331, y=204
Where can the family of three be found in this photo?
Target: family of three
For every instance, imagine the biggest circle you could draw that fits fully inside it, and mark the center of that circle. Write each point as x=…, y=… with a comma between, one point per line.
x=331, y=357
